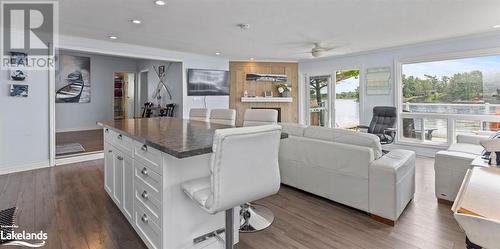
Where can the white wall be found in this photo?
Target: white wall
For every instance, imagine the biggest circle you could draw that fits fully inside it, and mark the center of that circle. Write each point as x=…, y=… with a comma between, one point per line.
x=173, y=80
x=386, y=58
x=24, y=123
x=78, y=116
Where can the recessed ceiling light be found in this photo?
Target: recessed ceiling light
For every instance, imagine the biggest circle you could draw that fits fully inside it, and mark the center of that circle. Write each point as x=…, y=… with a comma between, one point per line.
x=252, y=59
x=496, y=26
x=217, y=53
x=112, y=37
x=136, y=21
x=160, y=2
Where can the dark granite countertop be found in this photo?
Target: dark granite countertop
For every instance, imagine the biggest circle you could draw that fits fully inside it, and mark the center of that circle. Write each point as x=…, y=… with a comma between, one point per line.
x=180, y=138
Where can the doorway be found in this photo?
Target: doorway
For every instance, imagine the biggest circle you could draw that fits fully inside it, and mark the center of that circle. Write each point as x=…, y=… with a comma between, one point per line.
x=347, y=99
x=124, y=95
x=319, y=100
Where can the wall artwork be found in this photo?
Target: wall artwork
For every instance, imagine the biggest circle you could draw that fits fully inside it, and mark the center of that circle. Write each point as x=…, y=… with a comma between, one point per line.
x=18, y=74
x=17, y=90
x=18, y=59
x=378, y=81
x=73, y=79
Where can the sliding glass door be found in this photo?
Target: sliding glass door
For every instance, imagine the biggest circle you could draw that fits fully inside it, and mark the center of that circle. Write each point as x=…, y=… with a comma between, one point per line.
x=346, y=99
x=319, y=100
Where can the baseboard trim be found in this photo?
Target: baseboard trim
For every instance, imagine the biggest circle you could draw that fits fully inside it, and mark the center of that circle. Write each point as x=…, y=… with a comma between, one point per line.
x=79, y=129
x=445, y=202
x=382, y=220
x=23, y=167
x=78, y=159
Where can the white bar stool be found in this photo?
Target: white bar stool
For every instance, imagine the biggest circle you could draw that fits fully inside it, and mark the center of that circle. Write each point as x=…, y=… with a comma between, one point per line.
x=240, y=155
x=199, y=114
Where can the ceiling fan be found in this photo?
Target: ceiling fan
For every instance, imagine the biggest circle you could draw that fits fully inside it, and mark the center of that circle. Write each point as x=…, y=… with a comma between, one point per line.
x=318, y=50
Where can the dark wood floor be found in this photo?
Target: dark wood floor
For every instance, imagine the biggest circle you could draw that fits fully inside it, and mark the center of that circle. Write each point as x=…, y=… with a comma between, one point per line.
x=91, y=140
x=69, y=202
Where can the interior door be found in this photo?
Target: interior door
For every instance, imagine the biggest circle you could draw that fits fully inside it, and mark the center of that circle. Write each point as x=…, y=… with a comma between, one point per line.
x=319, y=100
x=131, y=95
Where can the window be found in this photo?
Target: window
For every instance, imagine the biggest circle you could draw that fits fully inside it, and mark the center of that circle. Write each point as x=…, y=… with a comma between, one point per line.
x=457, y=95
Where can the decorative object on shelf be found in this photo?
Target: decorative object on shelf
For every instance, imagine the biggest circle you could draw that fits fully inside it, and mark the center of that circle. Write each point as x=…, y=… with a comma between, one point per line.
x=17, y=90
x=18, y=59
x=284, y=89
x=245, y=93
x=73, y=79
x=268, y=94
x=18, y=74
x=378, y=81
x=266, y=77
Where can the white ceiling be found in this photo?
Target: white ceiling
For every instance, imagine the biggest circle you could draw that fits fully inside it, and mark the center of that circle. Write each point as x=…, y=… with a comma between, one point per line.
x=280, y=29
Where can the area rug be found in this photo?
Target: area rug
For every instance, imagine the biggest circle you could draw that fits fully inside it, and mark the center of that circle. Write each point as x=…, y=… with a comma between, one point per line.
x=70, y=148
x=7, y=221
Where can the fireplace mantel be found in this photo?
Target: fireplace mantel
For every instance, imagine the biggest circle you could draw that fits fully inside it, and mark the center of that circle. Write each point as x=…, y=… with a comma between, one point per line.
x=266, y=99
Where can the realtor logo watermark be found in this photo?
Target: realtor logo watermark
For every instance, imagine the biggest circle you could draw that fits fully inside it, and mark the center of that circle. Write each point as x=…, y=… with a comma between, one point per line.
x=29, y=34
x=23, y=238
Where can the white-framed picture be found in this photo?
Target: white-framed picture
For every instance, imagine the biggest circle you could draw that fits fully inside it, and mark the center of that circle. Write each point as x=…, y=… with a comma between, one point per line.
x=378, y=81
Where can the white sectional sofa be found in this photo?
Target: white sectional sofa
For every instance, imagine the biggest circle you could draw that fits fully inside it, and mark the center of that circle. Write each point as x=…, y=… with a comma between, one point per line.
x=451, y=165
x=348, y=167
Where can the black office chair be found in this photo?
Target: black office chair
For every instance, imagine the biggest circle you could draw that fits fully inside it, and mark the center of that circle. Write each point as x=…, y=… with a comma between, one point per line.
x=383, y=123
x=146, y=113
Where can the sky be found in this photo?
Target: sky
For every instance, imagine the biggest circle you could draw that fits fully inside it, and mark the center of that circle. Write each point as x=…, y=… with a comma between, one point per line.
x=489, y=65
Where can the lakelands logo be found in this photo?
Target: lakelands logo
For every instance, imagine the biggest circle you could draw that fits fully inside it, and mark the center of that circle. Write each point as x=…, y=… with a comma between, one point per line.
x=23, y=238
x=29, y=29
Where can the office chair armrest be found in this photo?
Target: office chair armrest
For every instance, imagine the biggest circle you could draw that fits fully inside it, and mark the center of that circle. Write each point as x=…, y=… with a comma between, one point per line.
x=391, y=132
x=362, y=127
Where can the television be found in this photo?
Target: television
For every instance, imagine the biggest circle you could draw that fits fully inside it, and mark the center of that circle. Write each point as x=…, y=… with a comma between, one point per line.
x=203, y=82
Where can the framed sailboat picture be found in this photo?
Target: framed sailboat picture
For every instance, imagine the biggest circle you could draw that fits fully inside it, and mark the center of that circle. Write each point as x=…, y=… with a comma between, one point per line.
x=73, y=79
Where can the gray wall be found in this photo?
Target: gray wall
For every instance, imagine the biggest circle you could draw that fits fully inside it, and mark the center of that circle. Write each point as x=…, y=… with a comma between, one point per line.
x=24, y=124
x=173, y=80
x=75, y=116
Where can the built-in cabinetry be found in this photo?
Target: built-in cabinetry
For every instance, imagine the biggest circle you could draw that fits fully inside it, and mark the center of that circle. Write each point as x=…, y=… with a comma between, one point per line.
x=144, y=183
x=132, y=178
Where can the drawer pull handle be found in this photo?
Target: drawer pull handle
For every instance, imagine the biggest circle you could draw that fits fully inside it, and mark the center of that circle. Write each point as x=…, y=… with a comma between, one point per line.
x=145, y=195
x=119, y=158
x=144, y=147
x=107, y=130
x=144, y=218
x=120, y=136
x=110, y=151
x=144, y=171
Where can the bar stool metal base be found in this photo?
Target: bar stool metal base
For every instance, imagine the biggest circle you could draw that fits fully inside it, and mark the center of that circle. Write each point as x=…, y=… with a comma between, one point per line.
x=255, y=217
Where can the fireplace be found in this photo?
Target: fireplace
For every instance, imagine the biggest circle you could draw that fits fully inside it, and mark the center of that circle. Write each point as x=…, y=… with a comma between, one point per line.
x=271, y=108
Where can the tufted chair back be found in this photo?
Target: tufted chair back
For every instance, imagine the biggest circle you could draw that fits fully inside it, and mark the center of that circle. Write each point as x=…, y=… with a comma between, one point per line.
x=383, y=117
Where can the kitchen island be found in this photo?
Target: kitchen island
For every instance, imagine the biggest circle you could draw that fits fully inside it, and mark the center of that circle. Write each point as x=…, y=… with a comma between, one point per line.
x=146, y=160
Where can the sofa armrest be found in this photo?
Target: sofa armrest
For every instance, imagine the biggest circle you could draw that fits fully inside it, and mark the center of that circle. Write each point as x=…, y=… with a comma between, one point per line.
x=391, y=183
x=471, y=139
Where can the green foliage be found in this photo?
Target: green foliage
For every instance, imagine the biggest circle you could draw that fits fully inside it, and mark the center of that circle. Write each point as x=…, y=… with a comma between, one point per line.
x=461, y=87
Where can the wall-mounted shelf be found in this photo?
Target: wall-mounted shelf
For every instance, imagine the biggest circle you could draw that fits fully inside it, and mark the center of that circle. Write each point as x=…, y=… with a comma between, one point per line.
x=266, y=99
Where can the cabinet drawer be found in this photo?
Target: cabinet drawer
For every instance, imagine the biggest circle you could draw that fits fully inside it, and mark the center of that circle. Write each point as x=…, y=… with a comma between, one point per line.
x=123, y=142
x=148, y=197
x=149, y=231
x=148, y=156
x=147, y=175
x=108, y=135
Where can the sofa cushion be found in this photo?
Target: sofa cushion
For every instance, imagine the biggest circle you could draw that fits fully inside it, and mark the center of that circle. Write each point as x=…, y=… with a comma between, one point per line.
x=466, y=148
x=346, y=137
x=293, y=129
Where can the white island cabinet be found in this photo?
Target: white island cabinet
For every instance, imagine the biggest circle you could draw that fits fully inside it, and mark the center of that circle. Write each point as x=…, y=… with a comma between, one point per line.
x=144, y=180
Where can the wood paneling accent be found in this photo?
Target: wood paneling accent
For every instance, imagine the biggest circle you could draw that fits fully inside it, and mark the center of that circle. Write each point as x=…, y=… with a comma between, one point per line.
x=289, y=111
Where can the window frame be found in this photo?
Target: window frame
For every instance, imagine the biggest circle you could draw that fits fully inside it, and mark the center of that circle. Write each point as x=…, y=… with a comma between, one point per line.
x=451, y=118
